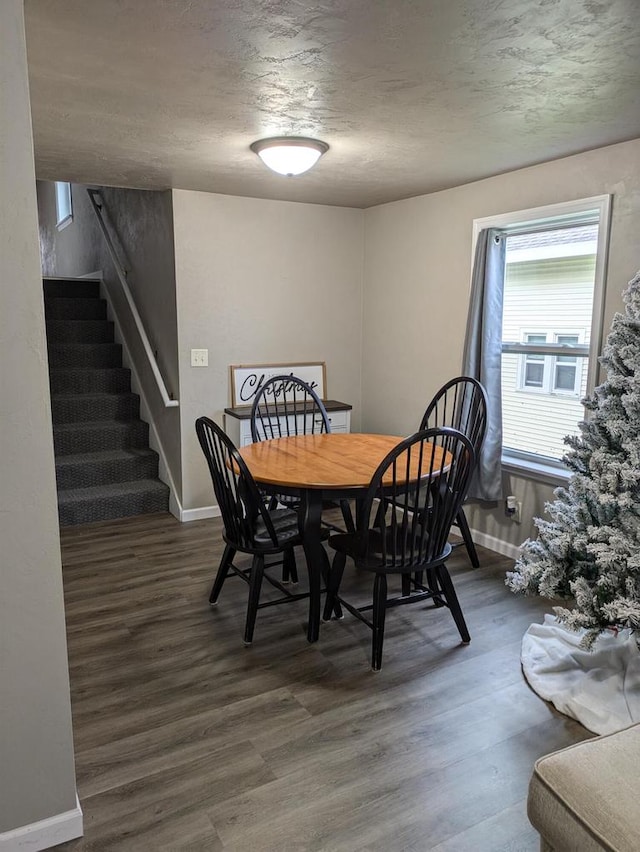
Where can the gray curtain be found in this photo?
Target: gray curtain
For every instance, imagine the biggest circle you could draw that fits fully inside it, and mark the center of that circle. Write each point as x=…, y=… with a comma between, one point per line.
x=483, y=355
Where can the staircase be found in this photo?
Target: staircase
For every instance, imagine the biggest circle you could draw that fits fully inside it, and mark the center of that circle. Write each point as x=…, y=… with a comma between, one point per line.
x=104, y=467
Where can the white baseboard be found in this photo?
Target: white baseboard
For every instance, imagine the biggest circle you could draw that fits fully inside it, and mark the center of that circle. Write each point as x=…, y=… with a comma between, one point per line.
x=199, y=514
x=504, y=548
x=482, y=539
x=45, y=833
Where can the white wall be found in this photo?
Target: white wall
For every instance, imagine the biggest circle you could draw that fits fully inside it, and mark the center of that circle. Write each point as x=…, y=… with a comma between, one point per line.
x=416, y=288
x=36, y=746
x=262, y=281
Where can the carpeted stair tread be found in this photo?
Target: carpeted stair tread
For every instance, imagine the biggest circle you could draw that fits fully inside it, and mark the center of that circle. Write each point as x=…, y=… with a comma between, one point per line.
x=59, y=308
x=79, y=331
x=104, y=455
x=71, y=288
x=83, y=470
x=104, y=466
x=93, y=380
x=119, y=500
x=98, y=435
x=79, y=408
x=69, y=355
x=137, y=486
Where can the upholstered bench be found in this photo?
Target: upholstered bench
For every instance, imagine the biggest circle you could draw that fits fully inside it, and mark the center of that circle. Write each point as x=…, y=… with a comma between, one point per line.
x=586, y=798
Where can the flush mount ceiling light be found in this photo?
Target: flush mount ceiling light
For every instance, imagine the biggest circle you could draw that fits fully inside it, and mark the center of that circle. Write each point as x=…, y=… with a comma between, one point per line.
x=289, y=155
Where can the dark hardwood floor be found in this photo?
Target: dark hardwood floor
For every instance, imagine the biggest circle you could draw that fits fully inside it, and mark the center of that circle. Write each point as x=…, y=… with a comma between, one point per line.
x=187, y=740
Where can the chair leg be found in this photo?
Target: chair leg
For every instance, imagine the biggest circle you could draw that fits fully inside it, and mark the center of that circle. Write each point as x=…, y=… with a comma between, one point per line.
x=444, y=578
x=337, y=608
x=406, y=585
x=255, y=584
x=347, y=516
x=381, y=512
x=434, y=588
x=461, y=521
x=379, y=611
x=221, y=576
x=333, y=584
x=289, y=570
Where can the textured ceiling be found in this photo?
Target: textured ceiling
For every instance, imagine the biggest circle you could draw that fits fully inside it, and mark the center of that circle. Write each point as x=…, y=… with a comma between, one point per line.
x=412, y=96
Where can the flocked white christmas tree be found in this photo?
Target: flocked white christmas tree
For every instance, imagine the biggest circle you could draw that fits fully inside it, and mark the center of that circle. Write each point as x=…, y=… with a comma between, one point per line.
x=589, y=550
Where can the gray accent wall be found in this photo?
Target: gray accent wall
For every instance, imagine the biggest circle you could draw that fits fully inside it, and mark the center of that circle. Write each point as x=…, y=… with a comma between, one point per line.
x=36, y=746
x=143, y=223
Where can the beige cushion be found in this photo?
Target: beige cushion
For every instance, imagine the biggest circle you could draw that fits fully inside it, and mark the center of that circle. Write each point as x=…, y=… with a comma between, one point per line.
x=586, y=798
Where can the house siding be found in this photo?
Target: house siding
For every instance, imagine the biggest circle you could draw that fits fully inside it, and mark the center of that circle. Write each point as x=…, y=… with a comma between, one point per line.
x=553, y=296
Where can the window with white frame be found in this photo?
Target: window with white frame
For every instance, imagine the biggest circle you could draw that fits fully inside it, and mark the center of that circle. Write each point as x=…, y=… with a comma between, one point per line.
x=532, y=366
x=551, y=330
x=551, y=374
x=64, y=210
x=566, y=373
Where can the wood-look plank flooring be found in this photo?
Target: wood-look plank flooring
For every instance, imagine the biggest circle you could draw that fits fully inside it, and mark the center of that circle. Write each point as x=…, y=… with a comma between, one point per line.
x=187, y=740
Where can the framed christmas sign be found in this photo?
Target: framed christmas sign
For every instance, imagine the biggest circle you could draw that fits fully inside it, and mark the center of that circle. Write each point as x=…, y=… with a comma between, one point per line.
x=246, y=379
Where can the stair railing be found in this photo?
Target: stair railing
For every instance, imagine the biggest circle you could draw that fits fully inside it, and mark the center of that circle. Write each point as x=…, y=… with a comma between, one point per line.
x=121, y=272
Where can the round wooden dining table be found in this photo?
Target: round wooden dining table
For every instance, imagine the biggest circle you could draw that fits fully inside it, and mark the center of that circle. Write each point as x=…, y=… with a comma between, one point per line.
x=314, y=468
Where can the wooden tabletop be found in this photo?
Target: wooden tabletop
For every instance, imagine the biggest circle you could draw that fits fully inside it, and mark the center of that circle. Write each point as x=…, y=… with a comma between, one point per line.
x=324, y=461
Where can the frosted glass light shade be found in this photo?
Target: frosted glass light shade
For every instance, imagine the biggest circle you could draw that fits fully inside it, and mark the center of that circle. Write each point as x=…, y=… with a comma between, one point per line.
x=289, y=155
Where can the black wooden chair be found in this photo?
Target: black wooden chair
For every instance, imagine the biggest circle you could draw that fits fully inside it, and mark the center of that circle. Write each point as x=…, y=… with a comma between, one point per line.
x=284, y=406
x=249, y=526
x=461, y=404
x=409, y=538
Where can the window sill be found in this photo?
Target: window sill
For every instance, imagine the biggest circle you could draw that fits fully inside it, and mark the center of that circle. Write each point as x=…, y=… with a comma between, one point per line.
x=539, y=471
x=62, y=224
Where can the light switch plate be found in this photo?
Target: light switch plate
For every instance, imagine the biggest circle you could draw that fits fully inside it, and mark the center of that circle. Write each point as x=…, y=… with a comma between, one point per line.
x=199, y=357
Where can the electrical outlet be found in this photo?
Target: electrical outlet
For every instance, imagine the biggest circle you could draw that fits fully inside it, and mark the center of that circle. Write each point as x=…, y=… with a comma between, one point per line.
x=199, y=357
x=513, y=509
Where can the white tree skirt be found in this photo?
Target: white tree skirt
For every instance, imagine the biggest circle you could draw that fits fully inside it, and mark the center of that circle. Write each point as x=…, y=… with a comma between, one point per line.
x=599, y=688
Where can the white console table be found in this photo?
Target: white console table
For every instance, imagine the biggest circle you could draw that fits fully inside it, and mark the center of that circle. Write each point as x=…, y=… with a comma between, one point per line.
x=237, y=421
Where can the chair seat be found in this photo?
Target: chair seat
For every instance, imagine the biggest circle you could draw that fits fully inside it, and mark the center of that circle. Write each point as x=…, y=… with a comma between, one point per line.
x=354, y=545
x=293, y=503
x=285, y=523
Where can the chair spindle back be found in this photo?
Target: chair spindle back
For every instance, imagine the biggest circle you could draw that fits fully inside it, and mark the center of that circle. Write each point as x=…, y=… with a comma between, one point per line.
x=235, y=488
x=422, y=483
x=461, y=404
x=285, y=406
